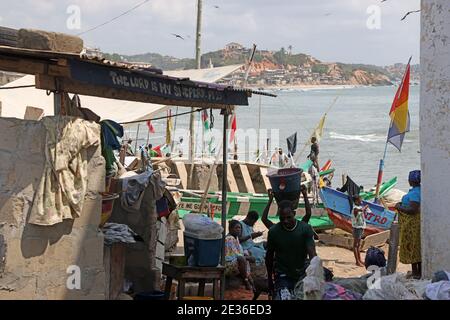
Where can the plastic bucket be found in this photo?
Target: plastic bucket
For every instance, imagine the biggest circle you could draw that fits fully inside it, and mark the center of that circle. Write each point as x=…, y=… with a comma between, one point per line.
x=152, y=295
x=286, y=184
x=285, y=180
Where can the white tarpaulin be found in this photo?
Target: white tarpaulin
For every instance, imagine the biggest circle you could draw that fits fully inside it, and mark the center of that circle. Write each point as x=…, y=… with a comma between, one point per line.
x=15, y=101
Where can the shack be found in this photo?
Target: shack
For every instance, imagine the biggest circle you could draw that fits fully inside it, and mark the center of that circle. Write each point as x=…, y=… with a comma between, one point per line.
x=56, y=250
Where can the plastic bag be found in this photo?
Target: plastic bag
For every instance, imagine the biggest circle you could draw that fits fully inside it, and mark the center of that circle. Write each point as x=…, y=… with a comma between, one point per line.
x=313, y=283
x=391, y=287
x=202, y=226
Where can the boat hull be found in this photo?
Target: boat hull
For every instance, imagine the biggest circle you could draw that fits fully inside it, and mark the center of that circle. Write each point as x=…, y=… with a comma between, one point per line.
x=338, y=210
x=241, y=205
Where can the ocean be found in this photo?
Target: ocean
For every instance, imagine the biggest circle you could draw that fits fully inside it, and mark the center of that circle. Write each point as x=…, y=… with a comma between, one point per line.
x=354, y=134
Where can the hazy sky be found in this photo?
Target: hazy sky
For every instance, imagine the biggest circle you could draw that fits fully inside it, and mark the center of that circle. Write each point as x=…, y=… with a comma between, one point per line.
x=330, y=30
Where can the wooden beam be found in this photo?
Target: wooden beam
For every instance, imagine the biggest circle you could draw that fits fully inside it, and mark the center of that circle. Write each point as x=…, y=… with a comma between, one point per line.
x=231, y=180
x=182, y=173
x=393, y=248
x=247, y=179
x=265, y=179
x=375, y=240
x=19, y=65
x=67, y=85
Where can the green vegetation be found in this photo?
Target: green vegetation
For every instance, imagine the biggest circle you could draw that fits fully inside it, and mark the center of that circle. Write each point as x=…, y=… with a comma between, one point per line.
x=319, y=68
x=220, y=58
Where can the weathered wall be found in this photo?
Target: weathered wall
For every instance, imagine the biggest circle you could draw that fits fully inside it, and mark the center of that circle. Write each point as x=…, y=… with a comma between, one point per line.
x=36, y=258
x=435, y=134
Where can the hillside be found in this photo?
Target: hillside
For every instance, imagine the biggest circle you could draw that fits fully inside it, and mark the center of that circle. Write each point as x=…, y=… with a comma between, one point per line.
x=274, y=68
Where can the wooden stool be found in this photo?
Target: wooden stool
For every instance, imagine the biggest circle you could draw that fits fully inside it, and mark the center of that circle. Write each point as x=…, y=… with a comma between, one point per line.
x=193, y=274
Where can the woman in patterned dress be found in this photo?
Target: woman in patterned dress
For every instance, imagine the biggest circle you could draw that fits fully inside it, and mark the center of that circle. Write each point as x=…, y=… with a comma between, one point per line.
x=236, y=261
x=409, y=222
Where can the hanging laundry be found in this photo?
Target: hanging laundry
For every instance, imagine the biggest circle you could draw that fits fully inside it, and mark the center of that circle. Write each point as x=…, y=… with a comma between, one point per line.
x=133, y=187
x=110, y=131
x=351, y=188
x=61, y=191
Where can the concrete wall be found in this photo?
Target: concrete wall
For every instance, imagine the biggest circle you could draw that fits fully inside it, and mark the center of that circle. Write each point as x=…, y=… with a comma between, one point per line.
x=34, y=259
x=435, y=134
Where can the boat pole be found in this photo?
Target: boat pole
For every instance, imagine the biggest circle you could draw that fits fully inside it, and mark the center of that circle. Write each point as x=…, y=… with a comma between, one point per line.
x=225, y=112
x=380, y=175
x=198, y=62
x=259, y=130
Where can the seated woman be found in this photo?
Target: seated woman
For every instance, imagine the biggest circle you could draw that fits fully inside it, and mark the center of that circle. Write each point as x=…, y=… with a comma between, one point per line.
x=246, y=239
x=236, y=262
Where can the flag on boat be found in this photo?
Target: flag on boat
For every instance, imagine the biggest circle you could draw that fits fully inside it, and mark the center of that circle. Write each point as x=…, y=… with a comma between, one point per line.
x=399, y=113
x=205, y=119
x=169, y=127
x=318, y=131
x=150, y=126
x=292, y=144
x=233, y=126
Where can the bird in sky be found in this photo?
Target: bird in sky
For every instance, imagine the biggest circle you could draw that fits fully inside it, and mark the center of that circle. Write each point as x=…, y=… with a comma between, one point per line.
x=217, y=7
x=327, y=14
x=408, y=13
x=177, y=36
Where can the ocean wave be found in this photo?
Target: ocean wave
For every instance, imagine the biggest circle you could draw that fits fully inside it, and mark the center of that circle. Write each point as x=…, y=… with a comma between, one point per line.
x=364, y=138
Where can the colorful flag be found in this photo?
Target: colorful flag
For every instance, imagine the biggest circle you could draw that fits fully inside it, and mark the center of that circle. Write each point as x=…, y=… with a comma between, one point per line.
x=399, y=113
x=205, y=119
x=150, y=126
x=233, y=126
x=169, y=127
x=318, y=132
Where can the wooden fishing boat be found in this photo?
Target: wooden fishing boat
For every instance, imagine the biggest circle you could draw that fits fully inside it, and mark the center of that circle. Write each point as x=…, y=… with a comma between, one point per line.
x=337, y=206
x=248, y=184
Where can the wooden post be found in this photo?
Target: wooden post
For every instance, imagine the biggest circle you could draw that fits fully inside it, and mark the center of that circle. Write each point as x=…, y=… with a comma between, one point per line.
x=57, y=103
x=137, y=137
x=224, y=198
x=211, y=172
x=393, y=248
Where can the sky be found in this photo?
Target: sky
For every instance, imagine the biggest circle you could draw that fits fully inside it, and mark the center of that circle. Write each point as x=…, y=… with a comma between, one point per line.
x=349, y=31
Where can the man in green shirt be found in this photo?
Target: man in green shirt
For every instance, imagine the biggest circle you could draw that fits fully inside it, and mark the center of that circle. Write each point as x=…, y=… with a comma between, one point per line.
x=289, y=243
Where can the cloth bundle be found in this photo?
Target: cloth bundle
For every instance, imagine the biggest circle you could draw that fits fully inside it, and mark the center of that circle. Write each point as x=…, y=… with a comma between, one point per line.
x=116, y=232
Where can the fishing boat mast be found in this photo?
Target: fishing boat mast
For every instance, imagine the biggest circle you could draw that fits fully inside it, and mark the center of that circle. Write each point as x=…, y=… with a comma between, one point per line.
x=198, y=65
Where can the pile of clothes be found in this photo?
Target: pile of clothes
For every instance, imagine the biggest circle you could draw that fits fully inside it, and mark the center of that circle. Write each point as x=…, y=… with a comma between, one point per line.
x=116, y=232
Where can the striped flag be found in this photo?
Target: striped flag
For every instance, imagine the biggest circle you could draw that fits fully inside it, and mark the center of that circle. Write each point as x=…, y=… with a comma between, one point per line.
x=150, y=126
x=400, y=121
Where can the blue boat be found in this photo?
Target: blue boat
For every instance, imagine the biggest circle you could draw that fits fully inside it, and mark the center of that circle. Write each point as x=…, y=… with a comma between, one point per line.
x=338, y=208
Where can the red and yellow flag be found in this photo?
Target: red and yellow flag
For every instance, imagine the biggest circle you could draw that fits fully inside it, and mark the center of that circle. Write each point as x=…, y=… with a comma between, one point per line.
x=400, y=121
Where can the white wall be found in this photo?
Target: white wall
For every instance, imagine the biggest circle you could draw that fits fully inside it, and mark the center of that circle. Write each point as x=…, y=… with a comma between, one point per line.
x=435, y=135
